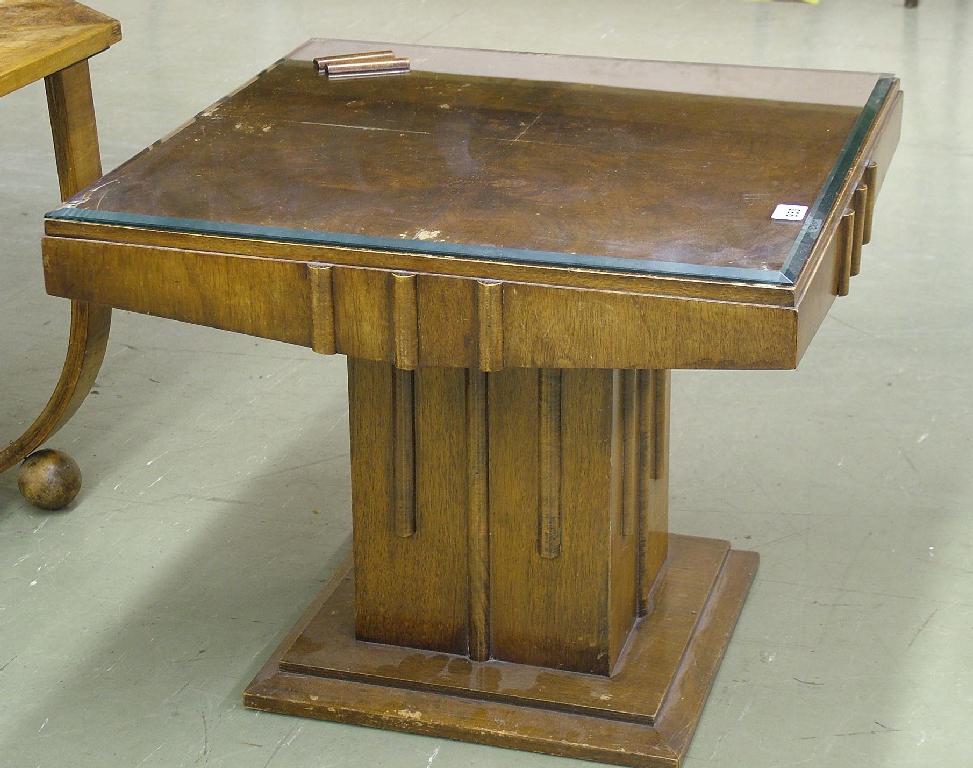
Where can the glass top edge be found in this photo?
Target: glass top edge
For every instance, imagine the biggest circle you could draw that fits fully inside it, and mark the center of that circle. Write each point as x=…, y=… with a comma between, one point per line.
x=807, y=238
x=292, y=56
x=843, y=88
x=646, y=267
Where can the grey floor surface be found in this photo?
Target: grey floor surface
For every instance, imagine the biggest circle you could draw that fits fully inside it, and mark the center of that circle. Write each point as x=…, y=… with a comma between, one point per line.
x=217, y=495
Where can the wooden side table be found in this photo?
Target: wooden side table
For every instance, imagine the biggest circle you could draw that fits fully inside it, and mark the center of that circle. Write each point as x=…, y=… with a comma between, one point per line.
x=513, y=251
x=53, y=40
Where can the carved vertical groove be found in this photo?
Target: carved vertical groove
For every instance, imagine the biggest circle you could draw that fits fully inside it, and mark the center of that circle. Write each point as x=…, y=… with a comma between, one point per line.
x=489, y=325
x=404, y=452
x=549, y=466
x=624, y=483
x=657, y=420
x=615, y=481
x=405, y=324
x=653, y=491
x=322, y=309
x=478, y=526
x=630, y=451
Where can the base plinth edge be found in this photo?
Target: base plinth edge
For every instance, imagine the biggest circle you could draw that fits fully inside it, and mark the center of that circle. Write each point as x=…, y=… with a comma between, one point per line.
x=549, y=727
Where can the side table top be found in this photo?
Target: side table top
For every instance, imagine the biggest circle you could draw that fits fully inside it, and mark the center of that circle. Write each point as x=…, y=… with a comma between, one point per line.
x=641, y=166
x=495, y=209
x=40, y=37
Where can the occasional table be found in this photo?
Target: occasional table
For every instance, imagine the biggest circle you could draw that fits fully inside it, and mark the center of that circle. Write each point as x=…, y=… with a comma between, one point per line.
x=52, y=40
x=513, y=251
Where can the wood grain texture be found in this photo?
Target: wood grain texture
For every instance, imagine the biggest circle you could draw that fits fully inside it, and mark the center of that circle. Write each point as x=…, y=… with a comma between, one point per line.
x=549, y=612
x=269, y=299
x=518, y=479
x=75, y=135
x=448, y=321
x=320, y=671
x=321, y=288
x=87, y=341
x=405, y=323
x=546, y=326
x=494, y=724
x=627, y=466
x=41, y=37
x=653, y=413
x=478, y=506
x=364, y=326
x=616, y=497
x=404, y=452
x=73, y=126
x=541, y=326
x=568, y=611
x=638, y=690
x=549, y=462
x=489, y=325
x=687, y=695
x=630, y=456
x=413, y=590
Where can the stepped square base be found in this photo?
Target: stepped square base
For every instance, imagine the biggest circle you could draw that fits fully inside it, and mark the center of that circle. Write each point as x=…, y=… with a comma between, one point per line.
x=643, y=715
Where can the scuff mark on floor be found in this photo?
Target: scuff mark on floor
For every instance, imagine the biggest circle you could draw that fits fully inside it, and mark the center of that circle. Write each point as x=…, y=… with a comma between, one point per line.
x=204, y=752
x=922, y=627
x=285, y=741
x=149, y=756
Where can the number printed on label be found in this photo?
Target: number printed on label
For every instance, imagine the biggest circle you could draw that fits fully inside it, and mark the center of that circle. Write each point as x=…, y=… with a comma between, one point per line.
x=789, y=212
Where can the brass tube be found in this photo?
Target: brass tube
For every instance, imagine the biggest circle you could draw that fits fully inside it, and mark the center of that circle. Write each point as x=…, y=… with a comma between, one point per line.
x=375, y=73
x=321, y=62
x=373, y=67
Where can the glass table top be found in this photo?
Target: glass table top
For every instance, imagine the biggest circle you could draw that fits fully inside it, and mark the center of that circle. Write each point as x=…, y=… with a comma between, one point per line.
x=641, y=166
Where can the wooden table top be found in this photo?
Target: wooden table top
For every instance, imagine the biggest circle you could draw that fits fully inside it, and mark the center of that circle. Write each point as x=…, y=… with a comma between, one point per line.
x=650, y=167
x=40, y=37
x=493, y=210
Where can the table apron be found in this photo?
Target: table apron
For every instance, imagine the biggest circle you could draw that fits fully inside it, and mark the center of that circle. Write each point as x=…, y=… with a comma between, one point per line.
x=416, y=319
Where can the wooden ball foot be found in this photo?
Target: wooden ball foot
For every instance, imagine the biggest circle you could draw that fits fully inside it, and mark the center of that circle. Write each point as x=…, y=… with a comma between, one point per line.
x=49, y=479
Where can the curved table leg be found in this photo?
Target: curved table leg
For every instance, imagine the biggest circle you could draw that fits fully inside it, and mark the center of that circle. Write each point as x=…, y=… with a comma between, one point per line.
x=75, y=136
x=90, y=324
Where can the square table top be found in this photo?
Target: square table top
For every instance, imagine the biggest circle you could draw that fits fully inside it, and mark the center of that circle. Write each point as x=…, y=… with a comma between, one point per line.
x=40, y=37
x=645, y=167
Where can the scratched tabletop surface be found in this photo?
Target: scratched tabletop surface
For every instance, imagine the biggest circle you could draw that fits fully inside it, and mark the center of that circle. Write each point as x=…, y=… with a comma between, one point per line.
x=611, y=163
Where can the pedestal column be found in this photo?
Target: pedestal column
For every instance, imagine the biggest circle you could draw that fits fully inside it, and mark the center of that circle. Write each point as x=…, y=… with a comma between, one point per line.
x=513, y=580
x=540, y=495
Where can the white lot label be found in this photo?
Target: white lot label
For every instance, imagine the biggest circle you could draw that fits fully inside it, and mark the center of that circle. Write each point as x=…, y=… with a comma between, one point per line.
x=789, y=212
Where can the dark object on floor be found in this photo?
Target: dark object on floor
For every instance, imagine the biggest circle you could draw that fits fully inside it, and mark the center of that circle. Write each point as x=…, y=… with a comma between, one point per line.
x=49, y=479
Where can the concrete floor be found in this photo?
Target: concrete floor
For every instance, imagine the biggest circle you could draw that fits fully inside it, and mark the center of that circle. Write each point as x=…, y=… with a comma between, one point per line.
x=217, y=497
